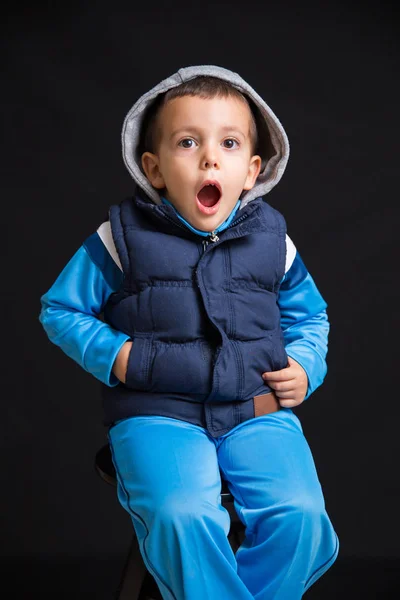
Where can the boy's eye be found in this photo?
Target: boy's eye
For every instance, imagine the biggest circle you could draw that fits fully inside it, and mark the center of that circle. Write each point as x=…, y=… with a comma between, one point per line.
x=184, y=143
x=189, y=143
x=230, y=143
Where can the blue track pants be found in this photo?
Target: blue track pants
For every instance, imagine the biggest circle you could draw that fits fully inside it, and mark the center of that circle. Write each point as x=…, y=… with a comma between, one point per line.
x=168, y=474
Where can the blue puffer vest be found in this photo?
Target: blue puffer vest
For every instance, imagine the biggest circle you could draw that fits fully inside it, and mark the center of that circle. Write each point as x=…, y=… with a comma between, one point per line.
x=203, y=318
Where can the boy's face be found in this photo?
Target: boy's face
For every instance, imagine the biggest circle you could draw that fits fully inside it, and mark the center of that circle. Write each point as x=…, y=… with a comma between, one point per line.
x=201, y=140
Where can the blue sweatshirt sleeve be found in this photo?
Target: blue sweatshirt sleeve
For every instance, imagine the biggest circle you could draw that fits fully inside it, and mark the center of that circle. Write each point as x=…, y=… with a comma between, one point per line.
x=71, y=310
x=304, y=322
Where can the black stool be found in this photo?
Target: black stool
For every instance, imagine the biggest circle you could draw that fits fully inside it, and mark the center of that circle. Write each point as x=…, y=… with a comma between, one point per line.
x=136, y=582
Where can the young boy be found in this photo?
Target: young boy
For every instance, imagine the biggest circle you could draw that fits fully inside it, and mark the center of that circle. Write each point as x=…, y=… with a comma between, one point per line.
x=212, y=331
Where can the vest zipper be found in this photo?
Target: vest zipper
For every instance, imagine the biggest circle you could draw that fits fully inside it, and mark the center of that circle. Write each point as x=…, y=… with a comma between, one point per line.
x=238, y=220
x=175, y=223
x=213, y=238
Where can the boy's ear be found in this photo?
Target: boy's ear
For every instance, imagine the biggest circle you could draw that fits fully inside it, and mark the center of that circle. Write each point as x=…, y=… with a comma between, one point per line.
x=151, y=167
x=253, y=173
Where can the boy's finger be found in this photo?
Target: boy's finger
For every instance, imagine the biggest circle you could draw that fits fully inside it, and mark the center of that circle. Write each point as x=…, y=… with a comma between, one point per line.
x=289, y=403
x=285, y=395
x=281, y=387
x=282, y=375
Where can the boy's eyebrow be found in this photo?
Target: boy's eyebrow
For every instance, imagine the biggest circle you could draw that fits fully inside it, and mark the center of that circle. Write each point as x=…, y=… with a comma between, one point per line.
x=231, y=128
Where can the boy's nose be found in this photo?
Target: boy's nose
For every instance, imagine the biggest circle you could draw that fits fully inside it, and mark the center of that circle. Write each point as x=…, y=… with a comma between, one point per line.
x=210, y=163
x=210, y=157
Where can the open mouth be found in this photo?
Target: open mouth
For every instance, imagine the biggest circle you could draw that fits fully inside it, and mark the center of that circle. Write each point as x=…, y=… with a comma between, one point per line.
x=209, y=196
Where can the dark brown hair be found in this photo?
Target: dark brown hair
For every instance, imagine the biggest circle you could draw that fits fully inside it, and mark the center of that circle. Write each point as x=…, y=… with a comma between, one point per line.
x=203, y=86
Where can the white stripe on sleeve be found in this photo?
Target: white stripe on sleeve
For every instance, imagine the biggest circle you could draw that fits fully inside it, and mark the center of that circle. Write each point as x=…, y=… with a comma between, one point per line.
x=104, y=233
x=290, y=253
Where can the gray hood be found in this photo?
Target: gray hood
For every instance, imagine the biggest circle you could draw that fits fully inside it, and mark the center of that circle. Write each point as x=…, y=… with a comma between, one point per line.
x=273, y=142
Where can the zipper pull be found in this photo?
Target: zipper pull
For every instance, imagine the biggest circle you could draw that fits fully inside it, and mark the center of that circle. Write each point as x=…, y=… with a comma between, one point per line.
x=213, y=238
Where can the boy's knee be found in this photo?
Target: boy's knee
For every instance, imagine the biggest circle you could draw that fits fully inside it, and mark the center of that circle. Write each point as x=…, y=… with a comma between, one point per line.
x=311, y=505
x=303, y=510
x=179, y=509
x=309, y=509
x=309, y=512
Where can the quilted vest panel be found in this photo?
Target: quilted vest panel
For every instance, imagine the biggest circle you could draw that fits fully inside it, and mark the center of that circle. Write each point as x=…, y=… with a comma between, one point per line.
x=204, y=320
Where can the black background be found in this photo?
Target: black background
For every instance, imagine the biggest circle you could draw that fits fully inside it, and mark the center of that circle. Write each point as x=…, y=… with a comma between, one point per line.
x=329, y=71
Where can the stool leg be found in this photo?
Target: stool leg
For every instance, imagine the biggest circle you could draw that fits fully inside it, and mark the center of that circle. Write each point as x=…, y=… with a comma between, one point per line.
x=237, y=529
x=236, y=536
x=133, y=574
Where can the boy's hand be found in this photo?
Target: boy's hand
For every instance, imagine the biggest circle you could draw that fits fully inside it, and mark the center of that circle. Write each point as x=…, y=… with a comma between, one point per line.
x=121, y=362
x=289, y=384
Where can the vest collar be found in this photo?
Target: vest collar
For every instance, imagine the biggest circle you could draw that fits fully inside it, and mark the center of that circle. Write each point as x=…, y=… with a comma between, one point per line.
x=238, y=225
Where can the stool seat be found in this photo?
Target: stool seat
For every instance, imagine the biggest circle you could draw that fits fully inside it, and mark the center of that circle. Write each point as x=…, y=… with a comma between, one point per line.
x=136, y=582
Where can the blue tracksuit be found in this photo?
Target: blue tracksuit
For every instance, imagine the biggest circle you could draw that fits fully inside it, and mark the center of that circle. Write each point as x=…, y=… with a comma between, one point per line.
x=168, y=453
